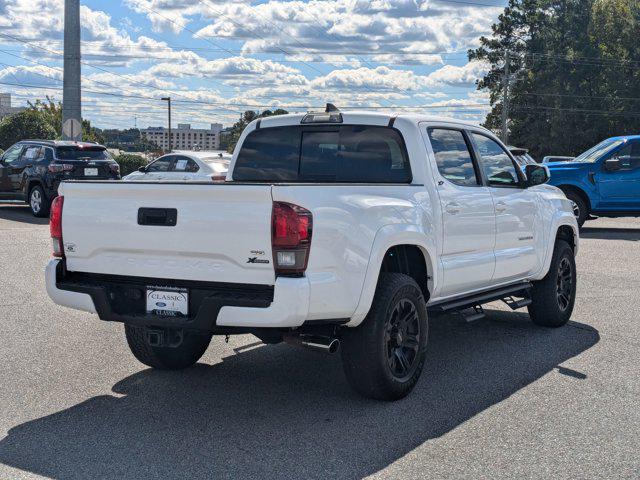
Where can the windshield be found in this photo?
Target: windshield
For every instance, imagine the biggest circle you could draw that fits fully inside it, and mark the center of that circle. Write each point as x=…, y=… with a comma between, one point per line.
x=75, y=153
x=600, y=149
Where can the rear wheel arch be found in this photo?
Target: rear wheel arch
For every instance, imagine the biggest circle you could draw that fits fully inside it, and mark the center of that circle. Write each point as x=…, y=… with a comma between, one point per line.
x=411, y=260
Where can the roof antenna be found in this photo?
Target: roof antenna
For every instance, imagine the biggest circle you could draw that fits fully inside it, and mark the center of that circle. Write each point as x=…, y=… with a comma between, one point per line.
x=331, y=108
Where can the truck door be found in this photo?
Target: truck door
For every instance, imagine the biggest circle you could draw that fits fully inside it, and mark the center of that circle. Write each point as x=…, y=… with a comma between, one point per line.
x=518, y=226
x=620, y=189
x=468, y=217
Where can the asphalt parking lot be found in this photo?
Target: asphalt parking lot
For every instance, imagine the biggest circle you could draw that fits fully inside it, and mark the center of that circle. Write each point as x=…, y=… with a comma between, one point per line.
x=500, y=397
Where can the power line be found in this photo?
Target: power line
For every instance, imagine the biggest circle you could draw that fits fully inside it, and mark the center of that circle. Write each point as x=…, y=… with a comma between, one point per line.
x=284, y=106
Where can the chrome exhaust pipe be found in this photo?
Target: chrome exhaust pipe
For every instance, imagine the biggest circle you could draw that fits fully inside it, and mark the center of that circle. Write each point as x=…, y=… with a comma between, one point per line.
x=319, y=343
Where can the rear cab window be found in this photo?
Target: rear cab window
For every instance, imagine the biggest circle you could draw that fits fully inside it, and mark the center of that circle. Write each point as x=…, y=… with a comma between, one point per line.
x=324, y=154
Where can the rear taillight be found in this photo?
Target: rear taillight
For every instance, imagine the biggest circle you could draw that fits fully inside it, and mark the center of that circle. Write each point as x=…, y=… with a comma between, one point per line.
x=55, y=226
x=115, y=168
x=291, y=228
x=60, y=167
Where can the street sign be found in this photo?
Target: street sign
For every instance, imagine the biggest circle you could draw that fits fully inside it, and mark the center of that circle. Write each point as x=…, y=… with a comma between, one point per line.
x=72, y=129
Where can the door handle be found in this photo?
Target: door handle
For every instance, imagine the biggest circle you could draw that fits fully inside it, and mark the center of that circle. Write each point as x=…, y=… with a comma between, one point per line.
x=453, y=208
x=501, y=207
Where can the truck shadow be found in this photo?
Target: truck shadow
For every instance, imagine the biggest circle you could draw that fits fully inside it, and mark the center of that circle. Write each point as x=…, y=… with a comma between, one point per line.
x=278, y=412
x=20, y=213
x=601, y=233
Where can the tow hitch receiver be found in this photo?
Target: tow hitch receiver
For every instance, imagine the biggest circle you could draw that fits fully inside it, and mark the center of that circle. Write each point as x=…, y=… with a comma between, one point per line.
x=163, y=337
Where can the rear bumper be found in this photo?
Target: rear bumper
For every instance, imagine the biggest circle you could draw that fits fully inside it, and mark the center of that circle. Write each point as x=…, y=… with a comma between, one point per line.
x=212, y=305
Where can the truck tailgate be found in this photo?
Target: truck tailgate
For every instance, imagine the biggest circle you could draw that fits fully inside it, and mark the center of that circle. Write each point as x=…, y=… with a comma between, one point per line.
x=221, y=233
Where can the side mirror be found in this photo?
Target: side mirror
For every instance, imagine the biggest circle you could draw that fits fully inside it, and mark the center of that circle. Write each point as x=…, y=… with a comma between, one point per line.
x=612, y=164
x=142, y=169
x=536, y=175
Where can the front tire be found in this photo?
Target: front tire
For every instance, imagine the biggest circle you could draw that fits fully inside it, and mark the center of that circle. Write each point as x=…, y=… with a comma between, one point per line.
x=38, y=202
x=554, y=296
x=384, y=356
x=184, y=355
x=580, y=208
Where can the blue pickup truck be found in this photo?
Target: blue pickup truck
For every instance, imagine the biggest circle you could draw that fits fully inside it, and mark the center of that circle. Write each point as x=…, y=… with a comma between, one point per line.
x=604, y=181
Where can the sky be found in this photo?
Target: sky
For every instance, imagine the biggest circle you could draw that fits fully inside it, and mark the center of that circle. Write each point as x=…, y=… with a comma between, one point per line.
x=218, y=58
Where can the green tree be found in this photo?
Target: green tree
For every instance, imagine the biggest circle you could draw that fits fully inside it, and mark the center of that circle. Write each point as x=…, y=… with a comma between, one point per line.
x=53, y=111
x=24, y=125
x=129, y=163
x=228, y=141
x=575, y=76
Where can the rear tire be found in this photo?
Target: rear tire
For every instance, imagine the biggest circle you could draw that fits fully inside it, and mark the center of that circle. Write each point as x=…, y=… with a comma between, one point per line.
x=580, y=208
x=554, y=296
x=38, y=202
x=384, y=356
x=186, y=354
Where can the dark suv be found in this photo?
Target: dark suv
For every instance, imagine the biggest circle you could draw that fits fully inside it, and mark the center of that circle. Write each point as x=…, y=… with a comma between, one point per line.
x=31, y=170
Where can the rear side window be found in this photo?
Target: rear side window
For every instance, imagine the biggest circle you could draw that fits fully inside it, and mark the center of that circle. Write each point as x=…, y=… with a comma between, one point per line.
x=452, y=157
x=75, y=153
x=185, y=164
x=341, y=154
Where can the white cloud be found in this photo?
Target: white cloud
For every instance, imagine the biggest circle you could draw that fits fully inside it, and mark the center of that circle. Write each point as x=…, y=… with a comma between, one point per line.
x=465, y=75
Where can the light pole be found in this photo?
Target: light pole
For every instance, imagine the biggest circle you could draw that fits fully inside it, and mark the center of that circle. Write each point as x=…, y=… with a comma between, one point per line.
x=168, y=100
x=71, y=95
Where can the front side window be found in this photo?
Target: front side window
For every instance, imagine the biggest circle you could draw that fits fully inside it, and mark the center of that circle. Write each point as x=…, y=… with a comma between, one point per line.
x=342, y=153
x=453, y=157
x=495, y=162
x=31, y=154
x=629, y=156
x=161, y=165
x=12, y=154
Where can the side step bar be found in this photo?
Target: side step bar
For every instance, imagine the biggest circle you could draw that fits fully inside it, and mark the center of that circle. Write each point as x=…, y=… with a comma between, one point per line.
x=507, y=294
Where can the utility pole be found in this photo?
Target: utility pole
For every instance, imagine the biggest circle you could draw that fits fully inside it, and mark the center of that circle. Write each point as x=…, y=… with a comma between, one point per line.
x=168, y=100
x=71, y=93
x=505, y=98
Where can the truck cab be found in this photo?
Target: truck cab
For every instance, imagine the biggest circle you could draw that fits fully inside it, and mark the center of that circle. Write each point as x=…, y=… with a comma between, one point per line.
x=604, y=181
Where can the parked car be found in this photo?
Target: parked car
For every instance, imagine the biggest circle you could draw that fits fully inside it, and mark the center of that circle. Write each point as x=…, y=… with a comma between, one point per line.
x=555, y=158
x=185, y=166
x=337, y=228
x=32, y=170
x=521, y=155
x=604, y=181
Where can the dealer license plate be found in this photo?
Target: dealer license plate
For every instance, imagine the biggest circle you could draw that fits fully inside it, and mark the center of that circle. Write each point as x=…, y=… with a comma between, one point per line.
x=168, y=302
x=90, y=172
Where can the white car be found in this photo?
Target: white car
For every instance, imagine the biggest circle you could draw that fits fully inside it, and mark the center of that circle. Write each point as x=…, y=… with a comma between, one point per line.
x=335, y=228
x=185, y=166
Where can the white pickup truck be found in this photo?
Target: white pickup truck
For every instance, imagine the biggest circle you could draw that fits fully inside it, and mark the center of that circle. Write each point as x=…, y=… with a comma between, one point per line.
x=334, y=230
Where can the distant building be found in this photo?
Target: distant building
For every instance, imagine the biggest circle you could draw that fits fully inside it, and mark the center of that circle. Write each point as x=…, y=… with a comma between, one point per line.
x=5, y=106
x=184, y=137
